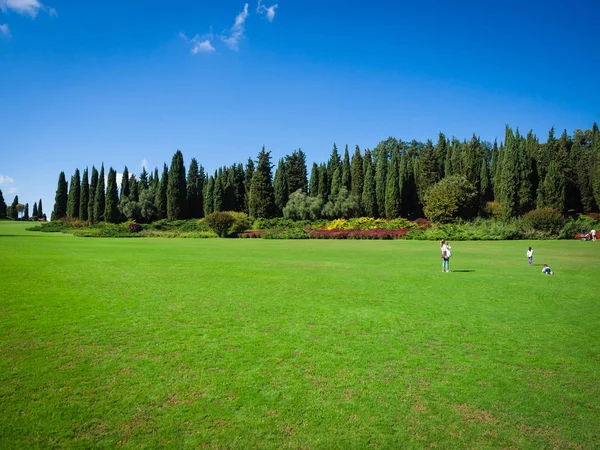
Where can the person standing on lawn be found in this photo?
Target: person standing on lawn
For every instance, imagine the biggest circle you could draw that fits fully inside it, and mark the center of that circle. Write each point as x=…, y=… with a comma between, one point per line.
x=530, y=256
x=445, y=256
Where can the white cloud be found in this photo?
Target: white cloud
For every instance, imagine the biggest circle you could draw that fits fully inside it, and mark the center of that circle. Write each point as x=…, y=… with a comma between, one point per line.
x=237, y=30
x=30, y=8
x=6, y=180
x=267, y=11
x=5, y=30
x=119, y=179
x=200, y=44
x=145, y=164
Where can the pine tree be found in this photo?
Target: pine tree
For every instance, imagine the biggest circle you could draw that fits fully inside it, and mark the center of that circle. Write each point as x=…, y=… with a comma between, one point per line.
x=281, y=187
x=85, y=196
x=346, y=170
x=34, y=213
x=392, y=191
x=74, y=195
x=2, y=206
x=357, y=178
x=60, y=199
x=111, y=210
x=160, y=200
x=382, y=156
x=314, y=181
x=333, y=163
x=176, y=188
x=92, y=198
x=369, y=194
x=143, y=184
x=194, y=191
x=248, y=175
x=262, y=198
x=100, y=200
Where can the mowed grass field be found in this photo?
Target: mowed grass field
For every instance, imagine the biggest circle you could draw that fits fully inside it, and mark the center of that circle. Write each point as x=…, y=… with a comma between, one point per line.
x=216, y=343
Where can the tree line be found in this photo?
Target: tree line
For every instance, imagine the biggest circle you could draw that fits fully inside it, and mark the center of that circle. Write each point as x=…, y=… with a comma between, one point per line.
x=395, y=179
x=20, y=211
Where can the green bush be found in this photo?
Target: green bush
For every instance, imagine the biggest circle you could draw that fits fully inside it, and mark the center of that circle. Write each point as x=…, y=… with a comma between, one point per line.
x=220, y=222
x=576, y=225
x=241, y=222
x=296, y=233
x=450, y=199
x=547, y=220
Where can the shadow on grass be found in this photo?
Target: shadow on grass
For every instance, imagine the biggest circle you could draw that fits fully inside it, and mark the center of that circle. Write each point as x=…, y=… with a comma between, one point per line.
x=462, y=271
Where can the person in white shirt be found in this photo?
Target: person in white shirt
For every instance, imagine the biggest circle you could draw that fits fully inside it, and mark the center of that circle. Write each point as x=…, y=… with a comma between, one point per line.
x=530, y=256
x=445, y=256
x=593, y=235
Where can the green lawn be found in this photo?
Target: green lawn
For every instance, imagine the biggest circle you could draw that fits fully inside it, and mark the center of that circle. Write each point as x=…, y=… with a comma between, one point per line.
x=214, y=343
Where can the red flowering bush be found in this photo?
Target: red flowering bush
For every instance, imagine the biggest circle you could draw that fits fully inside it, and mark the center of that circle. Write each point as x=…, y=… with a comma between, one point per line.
x=134, y=227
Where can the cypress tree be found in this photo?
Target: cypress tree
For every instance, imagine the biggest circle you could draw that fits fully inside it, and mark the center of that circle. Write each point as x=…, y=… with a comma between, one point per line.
x=143, y=184
x=194, y=192
x=40, y=210
x=111, y=210
x=333, y=163
x=26, y=212
x=218, y=191
x=228, y=189
x=176, y=188
x=525, y=188
x=209, y=203
x=280, y=186
x=456, y=160
x=262, y=198
x=346, y=170
x=124, y=192
x=428, y=170
x=295, y=167
x=485, y=186
x=583, y=164
x=34, y=213
x=160, y=200
x=392, y=191
x=85, y=196
x=470, y=161
x=92, y=198
x=134, y=194
x=248, y=175
x=369, y=194
x=60, y=199
x=100, y=200
x=595, y=169
x=239, y=189
x=356, y=174
x=74, y=195
x=2, y=206
x=381, y=178
x=441, y=150
x=14, y=208
x=323, y=183
x=314, y=181
x=509, y=177
x=336, y=182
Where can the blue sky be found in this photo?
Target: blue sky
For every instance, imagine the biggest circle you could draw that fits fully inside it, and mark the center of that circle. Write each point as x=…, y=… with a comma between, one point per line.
x=127, y=83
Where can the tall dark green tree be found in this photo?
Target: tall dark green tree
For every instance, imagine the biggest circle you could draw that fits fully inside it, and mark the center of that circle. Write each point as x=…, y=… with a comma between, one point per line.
x=160, y=200
x=2, y=206
x=248, y=175
x=92, y=198
x=333, y=163
x=296, y=171
x=346, y=171
x=429, y=170
x=194, y=191
x=209, y=201
x=143, y=183
x=262, y=197
x=369, y=194
x=392, y=191
x=111, y=208
x=176, y=188
x=100, y=201
x=485, y=185
x=40, y=210
x=60, y=199
x=124, y=192
x=34, y=213
x=85, y=196
x=357, y=177
x=14, y=208
x=218, y=192
x=74, y=195
x=324, y=183
x=281, y=187
x=509, y=176
x=239, y=186
x=314, y=181
x=381, y=167
x=441, y=151
x=26, y=212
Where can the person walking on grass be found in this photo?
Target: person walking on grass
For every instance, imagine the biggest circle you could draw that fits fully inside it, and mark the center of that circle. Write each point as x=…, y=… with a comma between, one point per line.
x=530, y=256
x=445, y=256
